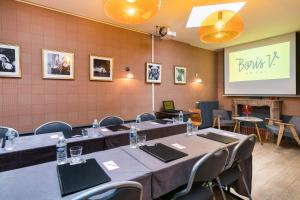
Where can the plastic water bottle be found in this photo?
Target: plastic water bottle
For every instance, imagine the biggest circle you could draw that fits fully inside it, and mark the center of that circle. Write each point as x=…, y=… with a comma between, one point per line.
x=133, y=137
x=61, y=151
x=180, y=116
x=95, y=126
x=189, y=127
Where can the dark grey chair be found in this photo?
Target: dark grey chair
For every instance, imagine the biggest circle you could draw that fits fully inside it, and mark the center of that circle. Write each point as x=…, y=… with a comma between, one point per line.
x=290, y=129
x=145, y=117
x=222, y=118
x=127, y=190
x=111, y=121
x=54, y=126
x=3, y=132
x=204, y=171
x=242, y=151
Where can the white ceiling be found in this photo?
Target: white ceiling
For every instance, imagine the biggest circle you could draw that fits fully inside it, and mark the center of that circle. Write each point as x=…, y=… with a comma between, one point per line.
x=262, y=18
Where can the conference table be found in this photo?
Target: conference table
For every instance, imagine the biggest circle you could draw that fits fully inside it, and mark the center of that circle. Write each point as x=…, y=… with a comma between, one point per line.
x=157, y=177
x=37, y=149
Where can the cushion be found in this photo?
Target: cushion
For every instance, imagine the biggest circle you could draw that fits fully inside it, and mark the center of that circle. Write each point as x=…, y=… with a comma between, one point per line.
x=275, y=130
x=296, y=122
x=226, y=122
x=229, y=176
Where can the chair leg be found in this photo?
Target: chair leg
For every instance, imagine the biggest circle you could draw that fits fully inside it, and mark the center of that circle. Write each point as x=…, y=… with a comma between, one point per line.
x=280, y=134
x=295, y=135
x=210, y=187
x=214, y=122
x=219, y=123
x=221, y=189
x=245, y=184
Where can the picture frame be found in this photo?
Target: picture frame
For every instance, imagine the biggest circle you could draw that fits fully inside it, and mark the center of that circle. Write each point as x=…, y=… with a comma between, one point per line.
x=57, y=64
x=101, y=68
x=10, y=61
x=179, y=75
x=153, y=72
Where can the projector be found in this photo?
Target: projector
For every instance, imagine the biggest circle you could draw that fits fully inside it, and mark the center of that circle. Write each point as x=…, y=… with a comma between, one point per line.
x=165, y=32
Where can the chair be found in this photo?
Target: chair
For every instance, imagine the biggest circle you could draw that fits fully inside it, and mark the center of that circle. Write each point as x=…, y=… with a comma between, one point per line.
x=222, y=118
x=242, y=151
x=54, y=126
x=145, y=117
x=3, y=134
x=196, y=118
x=111, y=121
x=204, y=171
x=126, y=190
x=206, y=108
x=290, y=129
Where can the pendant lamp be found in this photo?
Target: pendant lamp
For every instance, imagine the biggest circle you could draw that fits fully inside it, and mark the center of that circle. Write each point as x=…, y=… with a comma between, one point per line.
x=221, y=26
x=131, y=11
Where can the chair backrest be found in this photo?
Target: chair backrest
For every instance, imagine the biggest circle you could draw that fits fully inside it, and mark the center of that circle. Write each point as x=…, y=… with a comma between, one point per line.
x=296, y=121
x=146, y=117
x=111, y=120
x=54, y=126
x=3, y=133
x=114, y=191
x=242, y=150
x=206, y=169
x=206, y=108
x=223, y=113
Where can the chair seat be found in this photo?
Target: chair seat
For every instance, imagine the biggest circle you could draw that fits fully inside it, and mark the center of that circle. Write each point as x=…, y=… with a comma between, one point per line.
x=198, y=192
x=275, y=130
x=225, y=122
x=229, y=176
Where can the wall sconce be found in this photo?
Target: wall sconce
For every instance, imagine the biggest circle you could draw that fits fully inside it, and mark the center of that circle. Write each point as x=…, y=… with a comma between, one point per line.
x=197, y=78
x=129, y=75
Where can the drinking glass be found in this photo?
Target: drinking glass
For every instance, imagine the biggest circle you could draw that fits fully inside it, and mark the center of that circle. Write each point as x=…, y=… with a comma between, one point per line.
x=11, y=139
x=195, y=129
x=141, y=138
x=84, y=133
x=75, y=153
x=1, y=143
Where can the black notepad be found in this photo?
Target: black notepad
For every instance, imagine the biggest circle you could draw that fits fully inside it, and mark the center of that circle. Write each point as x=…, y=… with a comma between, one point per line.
x=163, y=152
x=117, y=128
x=73, y=133
x=74, y=178
x=219, y=138
x=162, y=121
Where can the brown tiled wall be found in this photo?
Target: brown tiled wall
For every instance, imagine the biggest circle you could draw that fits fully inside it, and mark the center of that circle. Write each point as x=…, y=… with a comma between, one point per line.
x=30, y=101
x=290, y=106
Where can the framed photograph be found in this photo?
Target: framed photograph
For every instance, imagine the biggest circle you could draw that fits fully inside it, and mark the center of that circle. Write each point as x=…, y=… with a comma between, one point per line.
x=180, y=75
x=57, y=64
x=101, y=68
x=153, y=73
x=10, y=61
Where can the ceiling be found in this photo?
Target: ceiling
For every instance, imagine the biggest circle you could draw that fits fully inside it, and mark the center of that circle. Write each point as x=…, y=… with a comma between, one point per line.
x=262, y=18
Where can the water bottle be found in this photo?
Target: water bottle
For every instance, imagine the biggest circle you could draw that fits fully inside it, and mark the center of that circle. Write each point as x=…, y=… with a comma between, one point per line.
x=61, y=151
x=95, y=126
x=133, y=137
x=189, y=127
x=180, y=116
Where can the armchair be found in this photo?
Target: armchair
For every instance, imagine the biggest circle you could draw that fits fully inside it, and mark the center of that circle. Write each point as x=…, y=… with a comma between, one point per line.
x=290, y=129
x=222, y=118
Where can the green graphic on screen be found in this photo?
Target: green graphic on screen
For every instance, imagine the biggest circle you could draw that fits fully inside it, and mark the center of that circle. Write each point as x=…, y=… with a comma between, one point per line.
x=262, y=63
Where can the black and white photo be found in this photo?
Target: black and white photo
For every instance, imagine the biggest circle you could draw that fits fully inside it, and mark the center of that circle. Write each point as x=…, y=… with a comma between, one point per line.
x=153, y=73
x=58, y=65
x=10, y=61
x=101, y=68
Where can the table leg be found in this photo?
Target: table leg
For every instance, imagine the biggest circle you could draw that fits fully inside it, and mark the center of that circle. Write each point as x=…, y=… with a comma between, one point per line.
x=258, y=133
x=235, y=125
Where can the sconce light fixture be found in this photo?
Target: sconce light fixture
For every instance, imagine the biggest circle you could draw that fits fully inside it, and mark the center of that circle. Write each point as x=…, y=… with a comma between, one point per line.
x=197, y=78
x=129, y=75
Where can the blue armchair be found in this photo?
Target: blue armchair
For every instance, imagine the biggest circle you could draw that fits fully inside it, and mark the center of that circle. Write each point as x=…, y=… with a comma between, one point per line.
x=290, y=129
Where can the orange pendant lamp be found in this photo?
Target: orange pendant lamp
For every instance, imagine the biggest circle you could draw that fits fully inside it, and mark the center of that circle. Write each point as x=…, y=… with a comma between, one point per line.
x=131, y=11
x=221, y=26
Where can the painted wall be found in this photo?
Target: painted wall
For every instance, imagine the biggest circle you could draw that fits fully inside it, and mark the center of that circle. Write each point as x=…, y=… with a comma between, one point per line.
x=290, y=106
x=30, y=101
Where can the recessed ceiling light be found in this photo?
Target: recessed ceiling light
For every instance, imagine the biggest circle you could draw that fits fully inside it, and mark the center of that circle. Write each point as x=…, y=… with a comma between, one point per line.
x=199, y=13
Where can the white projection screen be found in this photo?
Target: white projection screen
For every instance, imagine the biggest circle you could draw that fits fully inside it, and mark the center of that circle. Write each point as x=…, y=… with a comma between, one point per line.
x=263, y=68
